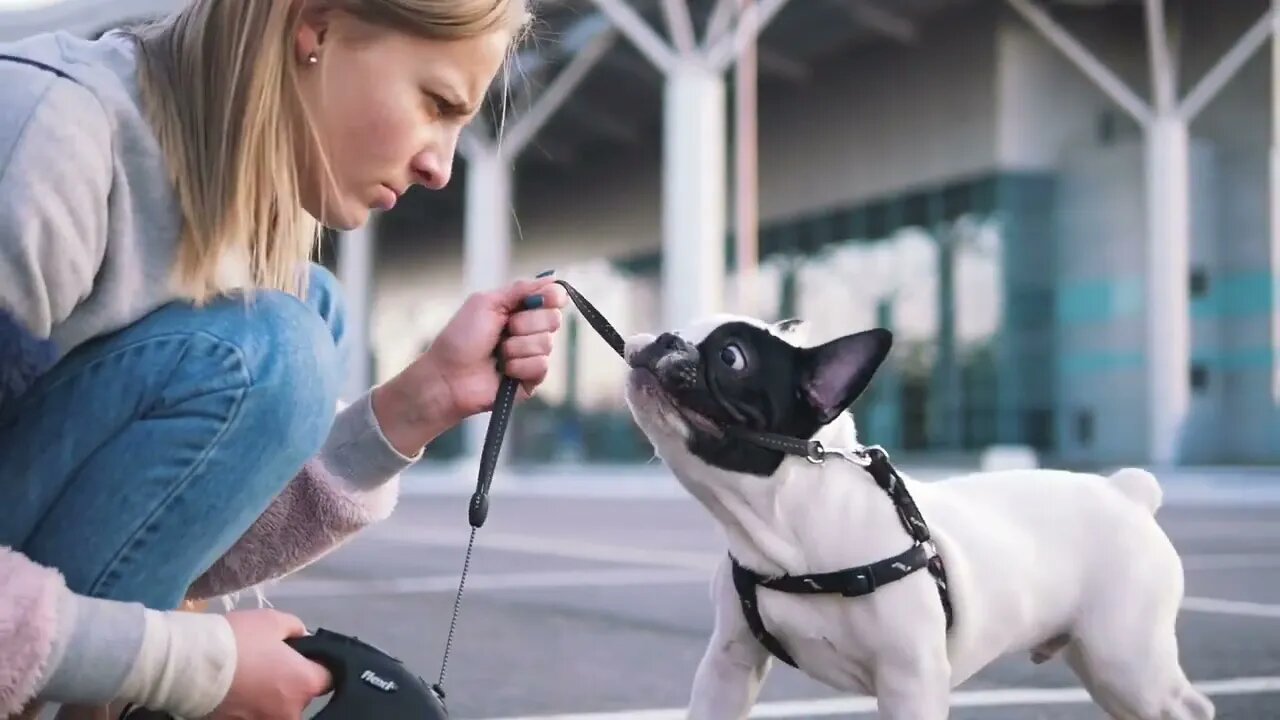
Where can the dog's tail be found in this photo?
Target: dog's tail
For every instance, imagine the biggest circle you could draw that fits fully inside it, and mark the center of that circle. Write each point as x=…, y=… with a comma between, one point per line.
x=1139, y=486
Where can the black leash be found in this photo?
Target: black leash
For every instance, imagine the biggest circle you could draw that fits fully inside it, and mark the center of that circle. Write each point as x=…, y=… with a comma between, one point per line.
x=478, y=509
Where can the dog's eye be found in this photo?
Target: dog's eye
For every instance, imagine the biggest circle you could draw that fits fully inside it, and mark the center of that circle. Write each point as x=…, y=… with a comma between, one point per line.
x=732, y=356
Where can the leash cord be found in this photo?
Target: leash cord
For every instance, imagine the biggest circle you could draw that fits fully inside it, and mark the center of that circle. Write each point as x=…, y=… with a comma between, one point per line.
x=478, y=509
x=457, y=605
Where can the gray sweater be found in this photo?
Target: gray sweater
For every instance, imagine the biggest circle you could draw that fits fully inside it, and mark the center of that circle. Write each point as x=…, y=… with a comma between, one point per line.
x=88, y=229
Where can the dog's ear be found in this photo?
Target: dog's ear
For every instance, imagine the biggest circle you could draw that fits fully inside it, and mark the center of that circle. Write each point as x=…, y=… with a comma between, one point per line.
x=835, y=373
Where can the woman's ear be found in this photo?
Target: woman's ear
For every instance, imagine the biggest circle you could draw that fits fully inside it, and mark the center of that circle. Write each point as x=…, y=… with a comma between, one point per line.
x=313, y=27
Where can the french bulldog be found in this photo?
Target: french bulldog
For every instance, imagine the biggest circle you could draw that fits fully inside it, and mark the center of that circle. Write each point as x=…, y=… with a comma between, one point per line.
x=1036, y=561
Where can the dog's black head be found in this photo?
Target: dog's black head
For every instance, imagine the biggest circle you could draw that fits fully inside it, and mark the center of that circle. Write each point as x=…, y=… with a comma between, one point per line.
x=741, y=372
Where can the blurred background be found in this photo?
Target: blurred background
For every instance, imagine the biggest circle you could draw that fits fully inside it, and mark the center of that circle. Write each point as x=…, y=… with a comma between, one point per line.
x=1060, y=207
x=1066, y=211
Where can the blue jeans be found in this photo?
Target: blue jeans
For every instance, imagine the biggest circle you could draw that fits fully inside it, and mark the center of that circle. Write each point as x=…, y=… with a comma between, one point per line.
x=143, y=455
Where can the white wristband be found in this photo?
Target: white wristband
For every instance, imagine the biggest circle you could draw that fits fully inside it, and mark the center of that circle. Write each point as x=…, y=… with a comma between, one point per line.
x=185, y=665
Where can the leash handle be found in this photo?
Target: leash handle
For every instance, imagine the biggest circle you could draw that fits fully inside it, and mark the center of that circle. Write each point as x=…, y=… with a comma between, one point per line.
x=478, y=509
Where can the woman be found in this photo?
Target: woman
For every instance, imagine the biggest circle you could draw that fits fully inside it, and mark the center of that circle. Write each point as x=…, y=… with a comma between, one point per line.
x=168, y=362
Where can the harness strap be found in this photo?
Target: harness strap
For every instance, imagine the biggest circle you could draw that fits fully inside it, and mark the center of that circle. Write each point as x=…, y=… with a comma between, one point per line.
x=855, y=581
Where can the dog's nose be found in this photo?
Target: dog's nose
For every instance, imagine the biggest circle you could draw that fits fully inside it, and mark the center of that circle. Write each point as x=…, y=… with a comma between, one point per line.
x=670, y=342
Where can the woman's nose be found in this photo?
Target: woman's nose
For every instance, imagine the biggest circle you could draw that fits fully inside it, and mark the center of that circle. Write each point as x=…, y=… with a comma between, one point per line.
x=433, y=169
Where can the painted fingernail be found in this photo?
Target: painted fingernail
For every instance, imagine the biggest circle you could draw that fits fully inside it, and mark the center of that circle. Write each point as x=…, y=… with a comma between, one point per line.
x=533, y=302
x=545, y=273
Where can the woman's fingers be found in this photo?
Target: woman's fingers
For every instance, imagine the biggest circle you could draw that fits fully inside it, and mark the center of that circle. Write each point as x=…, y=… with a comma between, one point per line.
x=531, y=322
x=524, y=346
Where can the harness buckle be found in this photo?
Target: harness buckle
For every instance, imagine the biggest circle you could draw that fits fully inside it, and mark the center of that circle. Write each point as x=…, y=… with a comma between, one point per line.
x=857, y=584
x=816, y=454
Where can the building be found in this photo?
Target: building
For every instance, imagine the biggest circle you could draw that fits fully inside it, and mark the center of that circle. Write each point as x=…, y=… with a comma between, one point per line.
x=1069, y=227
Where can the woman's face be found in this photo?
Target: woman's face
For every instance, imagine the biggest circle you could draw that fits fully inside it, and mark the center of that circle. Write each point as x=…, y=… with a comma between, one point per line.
x=388, y=108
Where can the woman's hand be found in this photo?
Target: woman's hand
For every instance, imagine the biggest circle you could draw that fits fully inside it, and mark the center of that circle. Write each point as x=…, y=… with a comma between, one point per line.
x=272, y=681
x=457, y=376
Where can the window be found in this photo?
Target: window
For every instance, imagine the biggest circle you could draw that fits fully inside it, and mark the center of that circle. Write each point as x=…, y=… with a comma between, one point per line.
x=1084, y=427
x=1199, y=282
x=1199, y=377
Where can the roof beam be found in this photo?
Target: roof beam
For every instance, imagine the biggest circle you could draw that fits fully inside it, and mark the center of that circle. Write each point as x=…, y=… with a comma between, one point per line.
x=557, y=92
x=719, y=23
x=1228, y=65
x=646, y=40
x=726, y=50
x=1087, y=62
x=681, y=26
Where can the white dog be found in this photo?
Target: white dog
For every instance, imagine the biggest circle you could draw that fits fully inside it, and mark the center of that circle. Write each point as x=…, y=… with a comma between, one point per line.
x=1033, y=561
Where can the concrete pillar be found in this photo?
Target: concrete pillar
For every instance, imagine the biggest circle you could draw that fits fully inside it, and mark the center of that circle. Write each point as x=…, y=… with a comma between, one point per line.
x=1168, y=302
x=487, y=220
x=693, y=192
x=355, y=274
x=486, y=253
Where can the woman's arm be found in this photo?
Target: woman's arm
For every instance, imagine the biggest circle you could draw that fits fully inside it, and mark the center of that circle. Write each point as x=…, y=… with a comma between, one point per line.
x=57, y=646
x=55, y=178
x=353, y=482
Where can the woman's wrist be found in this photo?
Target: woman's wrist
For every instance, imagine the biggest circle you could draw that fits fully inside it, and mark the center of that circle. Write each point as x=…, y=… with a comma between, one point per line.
x=415, y=407
x=186, y=664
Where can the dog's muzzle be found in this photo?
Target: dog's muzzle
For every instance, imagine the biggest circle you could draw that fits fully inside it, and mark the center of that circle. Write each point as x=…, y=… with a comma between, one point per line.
x=671, y=358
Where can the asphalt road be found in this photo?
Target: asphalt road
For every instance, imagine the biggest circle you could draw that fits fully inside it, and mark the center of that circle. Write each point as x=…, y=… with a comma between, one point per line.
x=599, y=608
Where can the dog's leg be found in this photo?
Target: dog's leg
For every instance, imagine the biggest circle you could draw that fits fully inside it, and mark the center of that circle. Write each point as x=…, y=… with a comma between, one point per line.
x=1140, y=683
x=917, y=688
x=1126, y=652
x=735, y=664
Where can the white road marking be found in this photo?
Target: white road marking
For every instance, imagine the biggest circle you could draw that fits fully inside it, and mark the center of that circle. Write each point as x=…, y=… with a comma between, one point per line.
x=575, y=548
x=1230, y=607
x=960, y=698
x=303, y=587
x=583, y=549
x=1231, y=561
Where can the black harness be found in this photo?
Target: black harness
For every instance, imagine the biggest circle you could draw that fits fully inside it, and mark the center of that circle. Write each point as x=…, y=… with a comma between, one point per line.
x=854, y=581
x=850, y=582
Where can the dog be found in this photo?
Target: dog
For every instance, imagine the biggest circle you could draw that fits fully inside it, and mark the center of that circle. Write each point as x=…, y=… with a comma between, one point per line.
x=1035, y=561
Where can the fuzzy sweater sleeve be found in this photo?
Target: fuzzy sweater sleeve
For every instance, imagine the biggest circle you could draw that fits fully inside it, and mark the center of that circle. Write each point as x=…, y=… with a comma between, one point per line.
x=350, y=484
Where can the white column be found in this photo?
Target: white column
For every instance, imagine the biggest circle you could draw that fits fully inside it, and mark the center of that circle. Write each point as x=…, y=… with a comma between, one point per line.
x=746, y=185
x=1168, y=301
x=355, y=274
x=486, y=253
x=693, y=192
x=487, y=220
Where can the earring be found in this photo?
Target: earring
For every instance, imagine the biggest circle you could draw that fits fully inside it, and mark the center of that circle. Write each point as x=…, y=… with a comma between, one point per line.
x=313, y=58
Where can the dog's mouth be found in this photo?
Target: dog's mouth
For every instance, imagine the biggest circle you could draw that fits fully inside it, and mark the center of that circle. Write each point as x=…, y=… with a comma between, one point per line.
x=649, y=383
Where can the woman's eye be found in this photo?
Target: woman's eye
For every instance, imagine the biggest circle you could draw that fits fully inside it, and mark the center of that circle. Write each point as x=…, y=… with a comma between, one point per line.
x=732, y=356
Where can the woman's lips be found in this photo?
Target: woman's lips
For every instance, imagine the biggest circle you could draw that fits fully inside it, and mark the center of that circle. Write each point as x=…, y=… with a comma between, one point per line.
x=386, y=198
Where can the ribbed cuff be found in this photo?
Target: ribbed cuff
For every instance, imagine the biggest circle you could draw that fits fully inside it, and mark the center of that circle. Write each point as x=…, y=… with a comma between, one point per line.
x=357, y=450
x=186, y=663
x=96, y=644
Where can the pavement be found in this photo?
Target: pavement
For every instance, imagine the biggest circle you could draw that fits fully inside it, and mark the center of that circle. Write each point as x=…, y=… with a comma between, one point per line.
x=588, y=600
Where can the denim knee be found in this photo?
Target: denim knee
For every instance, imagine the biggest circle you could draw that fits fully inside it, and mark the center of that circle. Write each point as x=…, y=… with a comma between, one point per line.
x=289, y=354
x=324, y=296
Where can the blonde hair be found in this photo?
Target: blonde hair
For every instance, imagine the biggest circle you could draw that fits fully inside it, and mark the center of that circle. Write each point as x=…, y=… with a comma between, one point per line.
x=220, y=80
